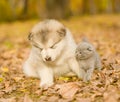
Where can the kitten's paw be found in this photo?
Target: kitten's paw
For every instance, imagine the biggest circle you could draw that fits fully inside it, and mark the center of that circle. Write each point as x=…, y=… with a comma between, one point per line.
x=99, y=68
x=46, y=85
x=85, y=79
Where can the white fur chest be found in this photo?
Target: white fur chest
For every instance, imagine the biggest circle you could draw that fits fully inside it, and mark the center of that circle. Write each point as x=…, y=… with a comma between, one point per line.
x=59, y=67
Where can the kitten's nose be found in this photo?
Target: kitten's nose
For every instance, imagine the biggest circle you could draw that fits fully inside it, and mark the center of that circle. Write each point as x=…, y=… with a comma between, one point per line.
x=48, y=58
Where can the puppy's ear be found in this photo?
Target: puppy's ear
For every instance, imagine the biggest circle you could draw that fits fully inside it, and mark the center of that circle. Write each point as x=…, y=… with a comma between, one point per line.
x=84, y=39
x=30, y=36
x=62, y=32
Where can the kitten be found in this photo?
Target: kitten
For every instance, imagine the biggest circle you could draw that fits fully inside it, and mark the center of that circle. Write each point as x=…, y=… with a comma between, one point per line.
x=88, y=59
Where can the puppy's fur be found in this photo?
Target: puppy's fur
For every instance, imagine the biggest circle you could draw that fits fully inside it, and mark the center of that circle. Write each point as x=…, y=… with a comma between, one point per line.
x=52, y=53
x=88, y=59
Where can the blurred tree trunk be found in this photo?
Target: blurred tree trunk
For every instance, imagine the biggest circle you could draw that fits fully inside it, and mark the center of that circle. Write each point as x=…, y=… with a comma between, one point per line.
x=92, y=7
x=89, y=6
x=109, y=7
x=25, y=7
x=12, y=5
x=117, y=5
x=57, y=8
x=85, y=6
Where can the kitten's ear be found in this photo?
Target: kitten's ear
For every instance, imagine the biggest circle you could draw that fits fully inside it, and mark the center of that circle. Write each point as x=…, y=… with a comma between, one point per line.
x=62, y=32
x=30, y=36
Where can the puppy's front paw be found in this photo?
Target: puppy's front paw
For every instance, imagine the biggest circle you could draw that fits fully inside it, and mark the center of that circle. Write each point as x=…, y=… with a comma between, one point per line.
x=87, y=78
x=81, y=75
x=46, y=85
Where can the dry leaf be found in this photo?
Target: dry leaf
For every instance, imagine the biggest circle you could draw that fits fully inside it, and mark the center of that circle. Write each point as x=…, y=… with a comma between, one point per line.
x=68, y=90
x=5, y=69
x=111, y=95
x=53, y=99
x=27, y=99
x=83, y=100
x=7, y=100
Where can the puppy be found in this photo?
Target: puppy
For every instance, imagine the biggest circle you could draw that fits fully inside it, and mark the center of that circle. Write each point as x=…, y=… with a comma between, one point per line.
x=52, y=53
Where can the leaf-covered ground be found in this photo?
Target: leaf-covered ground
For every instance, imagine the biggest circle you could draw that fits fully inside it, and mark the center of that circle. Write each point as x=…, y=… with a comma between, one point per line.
x=103, y=31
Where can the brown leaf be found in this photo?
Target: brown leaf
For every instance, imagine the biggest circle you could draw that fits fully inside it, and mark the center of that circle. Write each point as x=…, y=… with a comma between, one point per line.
x=68, y=90
x=27, y=99
x=8, y=100
x=83, y=99
x=111, y=95
x=53, y=99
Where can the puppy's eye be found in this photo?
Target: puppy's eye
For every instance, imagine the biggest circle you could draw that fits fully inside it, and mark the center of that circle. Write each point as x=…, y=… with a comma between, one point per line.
x=38, y=47
x=89, y=49
x=53, y=47
x=41, y=49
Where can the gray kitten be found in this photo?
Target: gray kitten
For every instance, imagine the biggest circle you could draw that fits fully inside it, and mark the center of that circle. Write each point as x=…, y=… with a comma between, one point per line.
x=88, y=59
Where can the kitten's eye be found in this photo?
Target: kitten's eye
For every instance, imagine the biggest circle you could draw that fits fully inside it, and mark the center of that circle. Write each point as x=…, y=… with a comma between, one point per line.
x=89, y=49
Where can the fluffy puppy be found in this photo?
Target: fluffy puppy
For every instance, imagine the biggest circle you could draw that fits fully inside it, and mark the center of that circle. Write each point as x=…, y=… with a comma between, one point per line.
x=52, y=53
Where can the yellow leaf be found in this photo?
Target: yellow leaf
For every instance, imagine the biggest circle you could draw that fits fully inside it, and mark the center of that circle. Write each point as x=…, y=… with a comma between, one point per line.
x=23, y=90
x=1, y=79
x=5, y=69
x=64, y=78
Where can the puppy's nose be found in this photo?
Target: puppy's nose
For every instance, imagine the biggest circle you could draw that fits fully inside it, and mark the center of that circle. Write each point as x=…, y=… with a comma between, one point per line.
x=80, y=53
x=48, y=58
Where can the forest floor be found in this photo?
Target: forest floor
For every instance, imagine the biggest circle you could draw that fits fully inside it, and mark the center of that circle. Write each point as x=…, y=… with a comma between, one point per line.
x=102, y=31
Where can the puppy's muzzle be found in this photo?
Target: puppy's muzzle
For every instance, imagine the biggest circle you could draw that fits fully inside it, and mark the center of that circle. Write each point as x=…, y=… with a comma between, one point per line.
x=48, y=58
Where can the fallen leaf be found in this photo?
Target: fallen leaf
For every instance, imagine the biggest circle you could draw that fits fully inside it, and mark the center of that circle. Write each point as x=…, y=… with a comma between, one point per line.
x=8, y=100
x=27, y=99
x=64, y=78
x=111, y=95
x=83, y=100
x=68, y=90
x=53, y=99
x=1, y=79
x=5, y=69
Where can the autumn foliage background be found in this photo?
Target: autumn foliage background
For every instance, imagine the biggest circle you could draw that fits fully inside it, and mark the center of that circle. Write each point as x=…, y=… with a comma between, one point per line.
x=98, y=20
